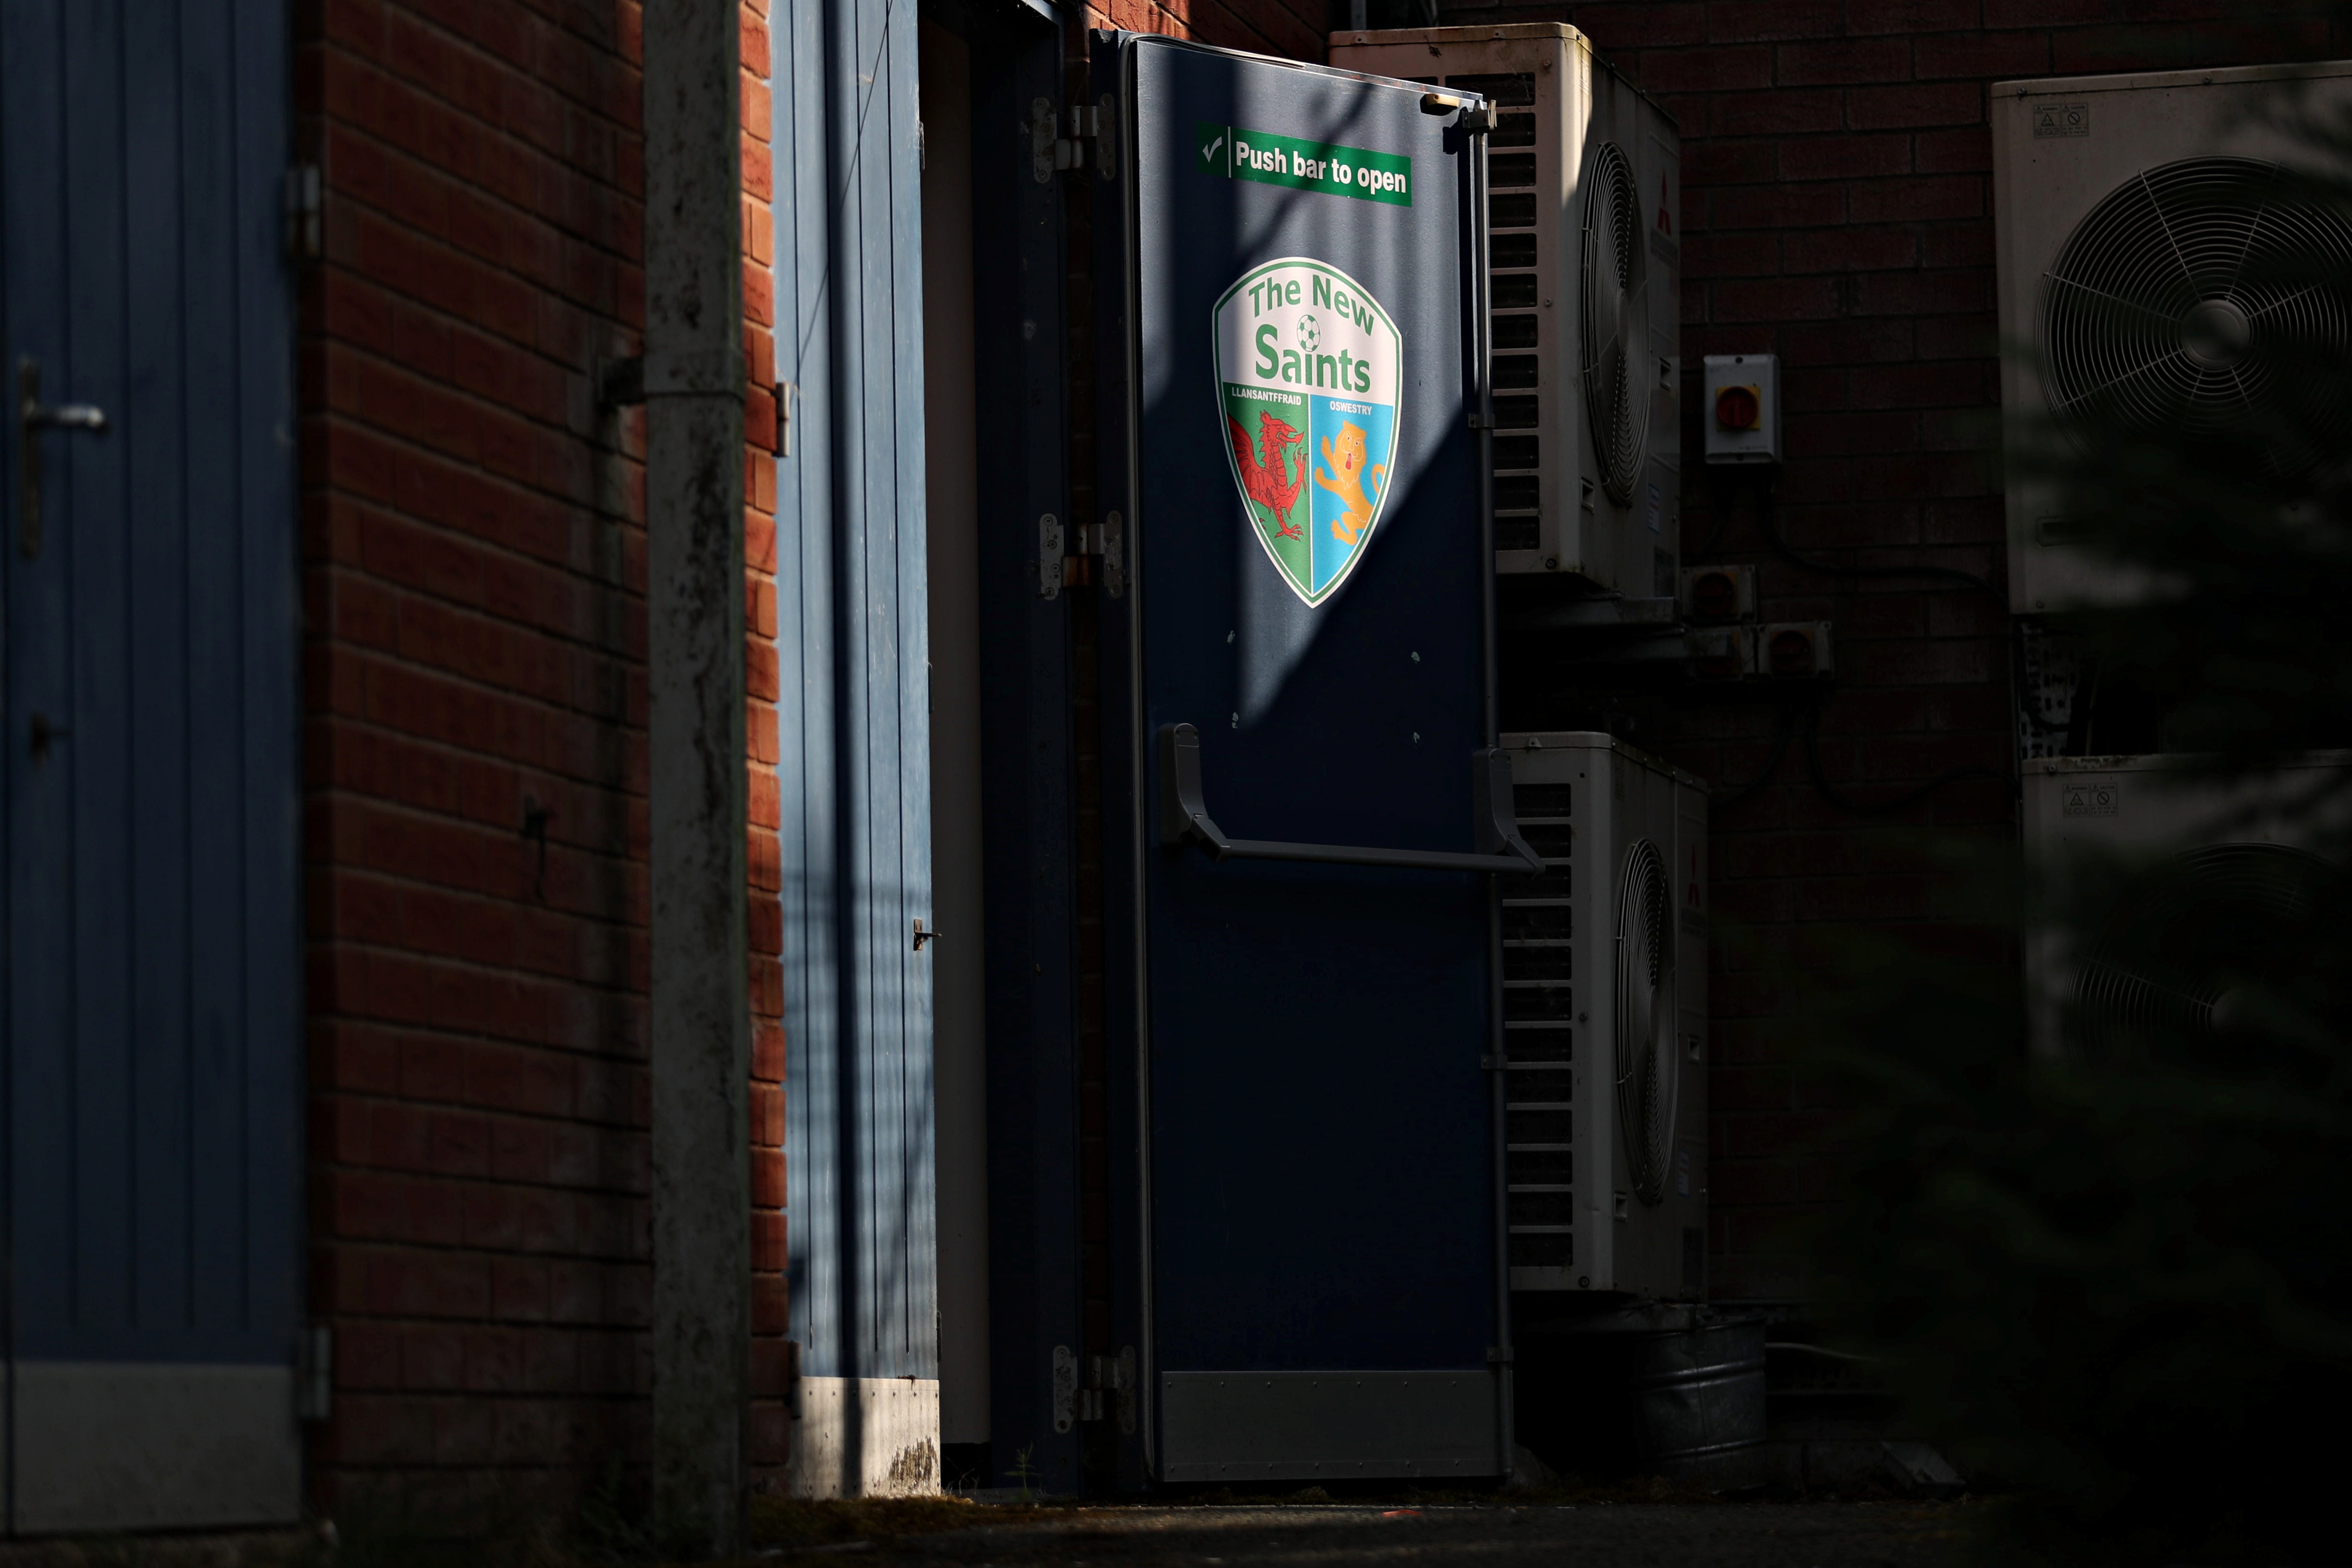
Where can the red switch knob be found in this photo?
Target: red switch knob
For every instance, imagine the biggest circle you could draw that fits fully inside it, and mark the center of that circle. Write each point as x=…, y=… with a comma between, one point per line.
x=1736, y=408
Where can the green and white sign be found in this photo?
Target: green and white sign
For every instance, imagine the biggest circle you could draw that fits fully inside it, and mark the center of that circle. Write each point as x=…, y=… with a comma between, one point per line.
x=1309, y=367
x=1238, y=153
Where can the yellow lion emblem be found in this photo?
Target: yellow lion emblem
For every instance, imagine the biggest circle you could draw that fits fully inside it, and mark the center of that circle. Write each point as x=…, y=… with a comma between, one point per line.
x=1345, y=478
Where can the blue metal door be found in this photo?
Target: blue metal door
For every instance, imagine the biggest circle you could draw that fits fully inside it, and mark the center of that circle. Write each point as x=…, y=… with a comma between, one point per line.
x=149, y=780
x=855, y=766
x=1313, y=836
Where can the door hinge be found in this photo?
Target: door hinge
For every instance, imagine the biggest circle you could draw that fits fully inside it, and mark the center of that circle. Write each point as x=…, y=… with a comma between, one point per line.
x=1107, y=1394
x=1097, y=554
x=1085, y=136
x=315, y=1400
x=306, y=204
x=1478, y=421
x=1498, y=1355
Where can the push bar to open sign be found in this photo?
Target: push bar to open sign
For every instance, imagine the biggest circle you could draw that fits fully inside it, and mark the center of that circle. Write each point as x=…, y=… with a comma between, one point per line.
x=1185, y=819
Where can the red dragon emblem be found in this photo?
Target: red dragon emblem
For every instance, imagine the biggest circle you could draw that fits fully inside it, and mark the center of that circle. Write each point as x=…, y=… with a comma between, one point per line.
x=1267, y=476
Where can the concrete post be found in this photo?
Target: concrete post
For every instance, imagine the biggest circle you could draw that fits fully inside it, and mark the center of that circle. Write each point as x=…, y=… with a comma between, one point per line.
x=701, y=1022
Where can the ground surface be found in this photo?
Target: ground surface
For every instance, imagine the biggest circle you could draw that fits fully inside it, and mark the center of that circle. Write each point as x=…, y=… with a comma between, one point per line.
x=1618, y=1536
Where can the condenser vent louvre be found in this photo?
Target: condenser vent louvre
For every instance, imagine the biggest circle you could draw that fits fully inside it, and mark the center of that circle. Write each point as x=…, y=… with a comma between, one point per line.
x=1514, y=299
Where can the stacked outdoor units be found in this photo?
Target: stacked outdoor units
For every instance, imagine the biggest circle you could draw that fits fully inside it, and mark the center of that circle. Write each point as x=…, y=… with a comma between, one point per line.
x=2145, y=261
x=1605, y=958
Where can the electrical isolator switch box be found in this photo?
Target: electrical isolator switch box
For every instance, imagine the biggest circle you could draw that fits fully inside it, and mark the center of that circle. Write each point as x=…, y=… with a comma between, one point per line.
x=1720, y=652
x=1741, y=415
x=1796, y=650
x=1714, y=594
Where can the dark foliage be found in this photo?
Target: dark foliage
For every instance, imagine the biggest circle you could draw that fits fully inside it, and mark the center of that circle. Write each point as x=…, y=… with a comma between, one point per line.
x=2113, y=1262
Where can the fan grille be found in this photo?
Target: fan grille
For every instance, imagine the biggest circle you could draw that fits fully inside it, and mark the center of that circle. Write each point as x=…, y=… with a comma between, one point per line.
x=1649, y=1081
x=1615, y=316
x=2211, y=918
x=2185, y=301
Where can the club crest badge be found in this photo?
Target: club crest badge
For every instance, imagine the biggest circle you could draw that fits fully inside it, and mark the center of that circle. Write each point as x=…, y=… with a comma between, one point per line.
x=1308, y=370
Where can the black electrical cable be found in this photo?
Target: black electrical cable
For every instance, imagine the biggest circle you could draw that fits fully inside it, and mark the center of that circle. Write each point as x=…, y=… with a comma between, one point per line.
x=1880, y=807
x=1748, y=790
x=1765, y=522
x=1769, y=527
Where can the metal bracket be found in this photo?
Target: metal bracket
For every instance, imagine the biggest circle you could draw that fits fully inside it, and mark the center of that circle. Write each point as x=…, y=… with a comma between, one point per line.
x=315, y=1401
x=922, y=936
x=1499, y=1355
x=1114, y=554
x=1049, y=556
x=305, y=213
x=1185, y=819
x=1065, y=1388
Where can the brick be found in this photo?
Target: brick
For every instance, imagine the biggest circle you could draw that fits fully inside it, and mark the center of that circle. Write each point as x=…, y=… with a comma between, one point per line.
x=1915, y=104
x=1853, y=249
x=1844, y=157
x=2041, y=13
x=1864, y=61
x=1726, y=164
x=1782, y=112
x=1777, y=206
x=1982, y=55
x=1871, y=16
x=1617, y=28
x=1950, y=152
x=1918, y=197
x=1705, y=71
x=1749, y=21
x=1772, y=299
x=1917, y=386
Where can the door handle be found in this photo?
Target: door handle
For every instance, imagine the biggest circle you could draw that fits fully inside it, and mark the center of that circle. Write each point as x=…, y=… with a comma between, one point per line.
x=1185, y=819
x=33, y=416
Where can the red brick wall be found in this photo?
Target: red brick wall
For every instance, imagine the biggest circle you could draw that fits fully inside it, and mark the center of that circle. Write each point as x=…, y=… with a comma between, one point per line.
x=474, y=560
x=770, y=1432
x=1837, y=211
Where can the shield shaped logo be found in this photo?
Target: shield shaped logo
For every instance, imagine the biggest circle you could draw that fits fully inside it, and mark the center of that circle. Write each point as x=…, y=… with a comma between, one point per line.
x=1308, y=371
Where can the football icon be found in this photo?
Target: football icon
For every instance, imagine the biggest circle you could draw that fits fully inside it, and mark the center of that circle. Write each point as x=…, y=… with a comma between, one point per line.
x=1310, y=334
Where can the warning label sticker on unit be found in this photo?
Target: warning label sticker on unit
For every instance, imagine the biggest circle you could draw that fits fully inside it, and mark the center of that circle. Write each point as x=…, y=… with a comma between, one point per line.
x=1309, y=367
x=2093, y=797
x=2061, y=119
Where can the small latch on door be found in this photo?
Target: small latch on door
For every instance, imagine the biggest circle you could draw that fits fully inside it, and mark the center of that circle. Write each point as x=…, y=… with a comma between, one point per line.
x=922, y=936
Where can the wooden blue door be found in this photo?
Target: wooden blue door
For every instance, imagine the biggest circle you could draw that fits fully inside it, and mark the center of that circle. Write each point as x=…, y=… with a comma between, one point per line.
x=149, y=998
x=855, y=764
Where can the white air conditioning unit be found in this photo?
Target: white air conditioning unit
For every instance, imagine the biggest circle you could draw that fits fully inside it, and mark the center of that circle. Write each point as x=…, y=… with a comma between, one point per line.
x=2187, y=852
x=2131, y=224
x=1584, y=241
x=1604, y=1011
